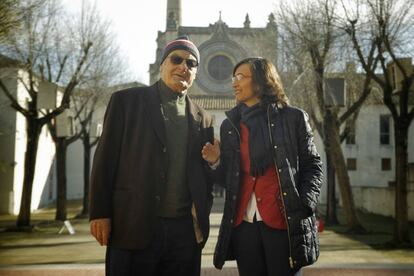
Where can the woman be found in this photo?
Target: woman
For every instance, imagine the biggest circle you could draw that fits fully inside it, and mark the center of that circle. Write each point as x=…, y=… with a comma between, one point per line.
x=272, y=173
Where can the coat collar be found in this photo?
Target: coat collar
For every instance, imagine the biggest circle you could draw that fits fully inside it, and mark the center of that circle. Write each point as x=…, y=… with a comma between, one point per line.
x=194, y=122
x=155, y=112
x=233, y=115
x=157, y=120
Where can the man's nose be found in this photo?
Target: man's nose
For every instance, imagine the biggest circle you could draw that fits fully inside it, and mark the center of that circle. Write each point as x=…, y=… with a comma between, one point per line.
x=183, y=65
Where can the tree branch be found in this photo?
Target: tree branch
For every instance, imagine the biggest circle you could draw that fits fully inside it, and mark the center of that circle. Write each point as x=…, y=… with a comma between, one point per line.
x=62, y=64
x=96, y=140
x=372, y=63
x=351, y=30
x=14, y=103
x=74, y=80
x=73, y=138
x=69, y=88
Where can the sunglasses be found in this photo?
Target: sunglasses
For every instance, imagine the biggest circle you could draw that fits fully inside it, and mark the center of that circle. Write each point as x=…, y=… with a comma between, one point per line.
x=177, y=60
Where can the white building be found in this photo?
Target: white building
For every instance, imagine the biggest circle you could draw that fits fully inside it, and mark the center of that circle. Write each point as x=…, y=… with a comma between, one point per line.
x=13, y=140
x=13, y=147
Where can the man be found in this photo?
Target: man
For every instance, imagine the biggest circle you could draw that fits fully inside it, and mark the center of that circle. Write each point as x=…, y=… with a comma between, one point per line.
x=150, y=188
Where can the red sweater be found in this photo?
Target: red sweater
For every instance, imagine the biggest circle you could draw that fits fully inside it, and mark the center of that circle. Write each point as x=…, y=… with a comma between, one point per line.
x=265, y=187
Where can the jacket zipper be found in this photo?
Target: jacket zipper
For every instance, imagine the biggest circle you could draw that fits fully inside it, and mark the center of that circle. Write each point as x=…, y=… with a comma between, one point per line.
x=277, y=175
x=281, y=190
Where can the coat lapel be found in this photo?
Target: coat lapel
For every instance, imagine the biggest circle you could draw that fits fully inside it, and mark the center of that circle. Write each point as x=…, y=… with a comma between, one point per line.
x=157, y=121
x=155, y=112
x=194, y=120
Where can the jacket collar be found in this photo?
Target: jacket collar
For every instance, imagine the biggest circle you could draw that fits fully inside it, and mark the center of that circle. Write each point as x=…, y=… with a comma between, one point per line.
x=194, y=122
x=234, y=115
x=155, y=112
x=157, y=120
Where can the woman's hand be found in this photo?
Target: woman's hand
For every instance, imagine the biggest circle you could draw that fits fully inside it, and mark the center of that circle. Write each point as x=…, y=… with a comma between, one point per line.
x=211, y=153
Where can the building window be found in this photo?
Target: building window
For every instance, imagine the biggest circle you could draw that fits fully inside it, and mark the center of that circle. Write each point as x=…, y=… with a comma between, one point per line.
x=386, y=164
x=220, y=67
x=351, y=164
x=350, y=137
x=385, y=129
x=391, y=184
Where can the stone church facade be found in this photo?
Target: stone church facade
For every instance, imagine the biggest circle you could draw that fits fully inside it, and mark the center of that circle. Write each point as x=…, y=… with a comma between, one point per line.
x=221, y=47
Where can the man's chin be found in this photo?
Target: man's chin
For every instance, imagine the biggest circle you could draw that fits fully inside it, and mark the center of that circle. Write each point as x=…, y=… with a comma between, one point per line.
x=185, y=83
x=182, y=86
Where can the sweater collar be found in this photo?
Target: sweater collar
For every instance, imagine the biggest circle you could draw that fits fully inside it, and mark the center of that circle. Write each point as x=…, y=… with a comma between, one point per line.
x=168, y=95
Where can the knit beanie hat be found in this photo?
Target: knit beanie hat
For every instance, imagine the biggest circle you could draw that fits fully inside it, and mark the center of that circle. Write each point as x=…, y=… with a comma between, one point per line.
x=181, y=43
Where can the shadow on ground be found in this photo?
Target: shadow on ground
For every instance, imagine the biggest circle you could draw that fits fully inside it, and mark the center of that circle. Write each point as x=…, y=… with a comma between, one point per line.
x=44, y=245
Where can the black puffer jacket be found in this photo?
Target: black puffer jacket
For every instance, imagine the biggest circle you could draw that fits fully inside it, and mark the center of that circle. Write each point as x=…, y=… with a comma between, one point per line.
x=300, y=172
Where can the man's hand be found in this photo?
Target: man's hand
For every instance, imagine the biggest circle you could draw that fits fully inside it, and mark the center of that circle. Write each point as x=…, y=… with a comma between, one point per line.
x=211, y=153
x=100, y=229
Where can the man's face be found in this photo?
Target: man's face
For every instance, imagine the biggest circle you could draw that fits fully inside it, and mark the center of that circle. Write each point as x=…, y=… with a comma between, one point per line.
x=177, y=70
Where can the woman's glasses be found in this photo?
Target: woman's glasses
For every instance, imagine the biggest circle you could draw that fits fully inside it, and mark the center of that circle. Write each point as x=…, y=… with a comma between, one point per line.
x=177, y=60
x=239, y=77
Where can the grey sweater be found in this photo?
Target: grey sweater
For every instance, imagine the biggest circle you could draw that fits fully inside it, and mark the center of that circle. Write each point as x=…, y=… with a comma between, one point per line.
x=176, y=201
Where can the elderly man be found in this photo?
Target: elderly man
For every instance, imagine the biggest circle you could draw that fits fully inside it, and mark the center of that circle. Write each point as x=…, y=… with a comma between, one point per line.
x=150, y=188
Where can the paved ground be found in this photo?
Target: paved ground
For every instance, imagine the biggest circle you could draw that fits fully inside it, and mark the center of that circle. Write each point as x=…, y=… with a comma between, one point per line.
x=46, y=252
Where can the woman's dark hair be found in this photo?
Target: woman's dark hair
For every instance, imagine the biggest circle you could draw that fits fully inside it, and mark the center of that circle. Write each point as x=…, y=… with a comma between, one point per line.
x=266, y=81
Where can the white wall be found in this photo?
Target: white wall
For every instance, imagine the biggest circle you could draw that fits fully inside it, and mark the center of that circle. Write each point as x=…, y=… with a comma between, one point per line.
x=368, y=151
x=7, y=141
x=74, y=163
x=45, y=156
x=380, y=200
x=75, y=159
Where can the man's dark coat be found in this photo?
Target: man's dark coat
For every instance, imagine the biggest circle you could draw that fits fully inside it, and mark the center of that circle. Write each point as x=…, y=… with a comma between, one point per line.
x=131, y=162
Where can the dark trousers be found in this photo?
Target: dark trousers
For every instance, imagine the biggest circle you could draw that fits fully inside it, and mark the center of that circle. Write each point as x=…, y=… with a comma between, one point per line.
x=172, y=251
x=261, y=250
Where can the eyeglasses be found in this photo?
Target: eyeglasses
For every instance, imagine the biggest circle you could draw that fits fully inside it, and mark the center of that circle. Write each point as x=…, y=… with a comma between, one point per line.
x=177, y=60
x=239, y=77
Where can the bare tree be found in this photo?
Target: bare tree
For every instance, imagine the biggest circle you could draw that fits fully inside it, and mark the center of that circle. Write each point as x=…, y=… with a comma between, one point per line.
x=104, y=67
x=313, y=40
x=12, y=13
x=389, y=25
x=61, y=145
x=9, y=17
x=85, y=105
x=46, y=54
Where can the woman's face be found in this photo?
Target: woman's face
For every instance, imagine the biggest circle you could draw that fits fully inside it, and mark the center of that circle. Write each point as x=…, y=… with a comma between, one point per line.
x=243, y=85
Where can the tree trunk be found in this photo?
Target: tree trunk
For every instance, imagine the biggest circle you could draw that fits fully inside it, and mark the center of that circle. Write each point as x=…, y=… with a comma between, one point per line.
x=33, y=133
x=61, y=212
x=331, y=217
x=401, y=227
x=338, y=161
x=86, y=173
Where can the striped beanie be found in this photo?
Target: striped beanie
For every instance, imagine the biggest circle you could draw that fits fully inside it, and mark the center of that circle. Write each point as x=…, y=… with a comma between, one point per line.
x=181, y=43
